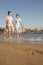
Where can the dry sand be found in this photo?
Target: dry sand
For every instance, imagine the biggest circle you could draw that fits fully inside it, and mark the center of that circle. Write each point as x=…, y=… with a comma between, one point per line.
x=21, y=54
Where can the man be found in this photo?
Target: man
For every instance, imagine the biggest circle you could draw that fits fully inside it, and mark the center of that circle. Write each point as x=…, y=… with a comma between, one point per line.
x=9, y=23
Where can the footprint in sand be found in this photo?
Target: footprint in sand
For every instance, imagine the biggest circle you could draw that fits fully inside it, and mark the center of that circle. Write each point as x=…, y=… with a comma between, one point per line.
x=25, y=51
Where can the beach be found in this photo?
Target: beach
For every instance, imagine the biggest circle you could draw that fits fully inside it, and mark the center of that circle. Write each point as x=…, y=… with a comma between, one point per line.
x=21, y=32
x=16, y=53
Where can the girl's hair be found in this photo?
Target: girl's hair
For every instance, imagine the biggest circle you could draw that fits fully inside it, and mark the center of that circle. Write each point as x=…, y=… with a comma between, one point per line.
x=17, y=15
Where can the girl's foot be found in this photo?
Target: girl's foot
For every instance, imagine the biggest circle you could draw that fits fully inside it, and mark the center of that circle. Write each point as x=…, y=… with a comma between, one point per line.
x=17, y=36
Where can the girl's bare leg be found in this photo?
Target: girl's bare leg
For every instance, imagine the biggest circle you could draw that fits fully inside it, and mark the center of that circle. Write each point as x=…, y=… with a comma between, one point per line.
x=17, y=33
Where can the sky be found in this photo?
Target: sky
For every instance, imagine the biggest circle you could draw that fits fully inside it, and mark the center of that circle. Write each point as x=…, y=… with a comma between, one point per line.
x=31, y=12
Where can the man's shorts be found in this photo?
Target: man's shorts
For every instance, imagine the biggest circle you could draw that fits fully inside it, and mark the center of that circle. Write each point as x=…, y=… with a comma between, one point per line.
x=10, y=28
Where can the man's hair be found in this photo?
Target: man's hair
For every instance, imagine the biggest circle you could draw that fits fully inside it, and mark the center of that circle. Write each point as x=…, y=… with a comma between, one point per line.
x=17, y=15
x=9, y=12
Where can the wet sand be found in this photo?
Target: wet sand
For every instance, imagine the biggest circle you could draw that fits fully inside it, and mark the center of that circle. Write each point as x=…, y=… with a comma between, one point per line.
x=12, y=53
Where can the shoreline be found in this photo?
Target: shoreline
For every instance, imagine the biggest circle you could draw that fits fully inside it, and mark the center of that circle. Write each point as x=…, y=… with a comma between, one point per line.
x=21, y=40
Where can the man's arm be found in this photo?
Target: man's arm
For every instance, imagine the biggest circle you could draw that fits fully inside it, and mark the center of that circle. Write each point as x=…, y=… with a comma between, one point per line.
x=6, y=21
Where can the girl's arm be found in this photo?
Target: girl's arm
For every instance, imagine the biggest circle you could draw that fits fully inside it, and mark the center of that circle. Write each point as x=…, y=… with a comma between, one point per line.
x=14, y=24
x=21, y=24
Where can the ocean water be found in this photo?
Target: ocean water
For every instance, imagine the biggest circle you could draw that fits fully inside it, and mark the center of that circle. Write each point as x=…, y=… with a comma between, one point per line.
x=24, y=37
x=30, y=34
